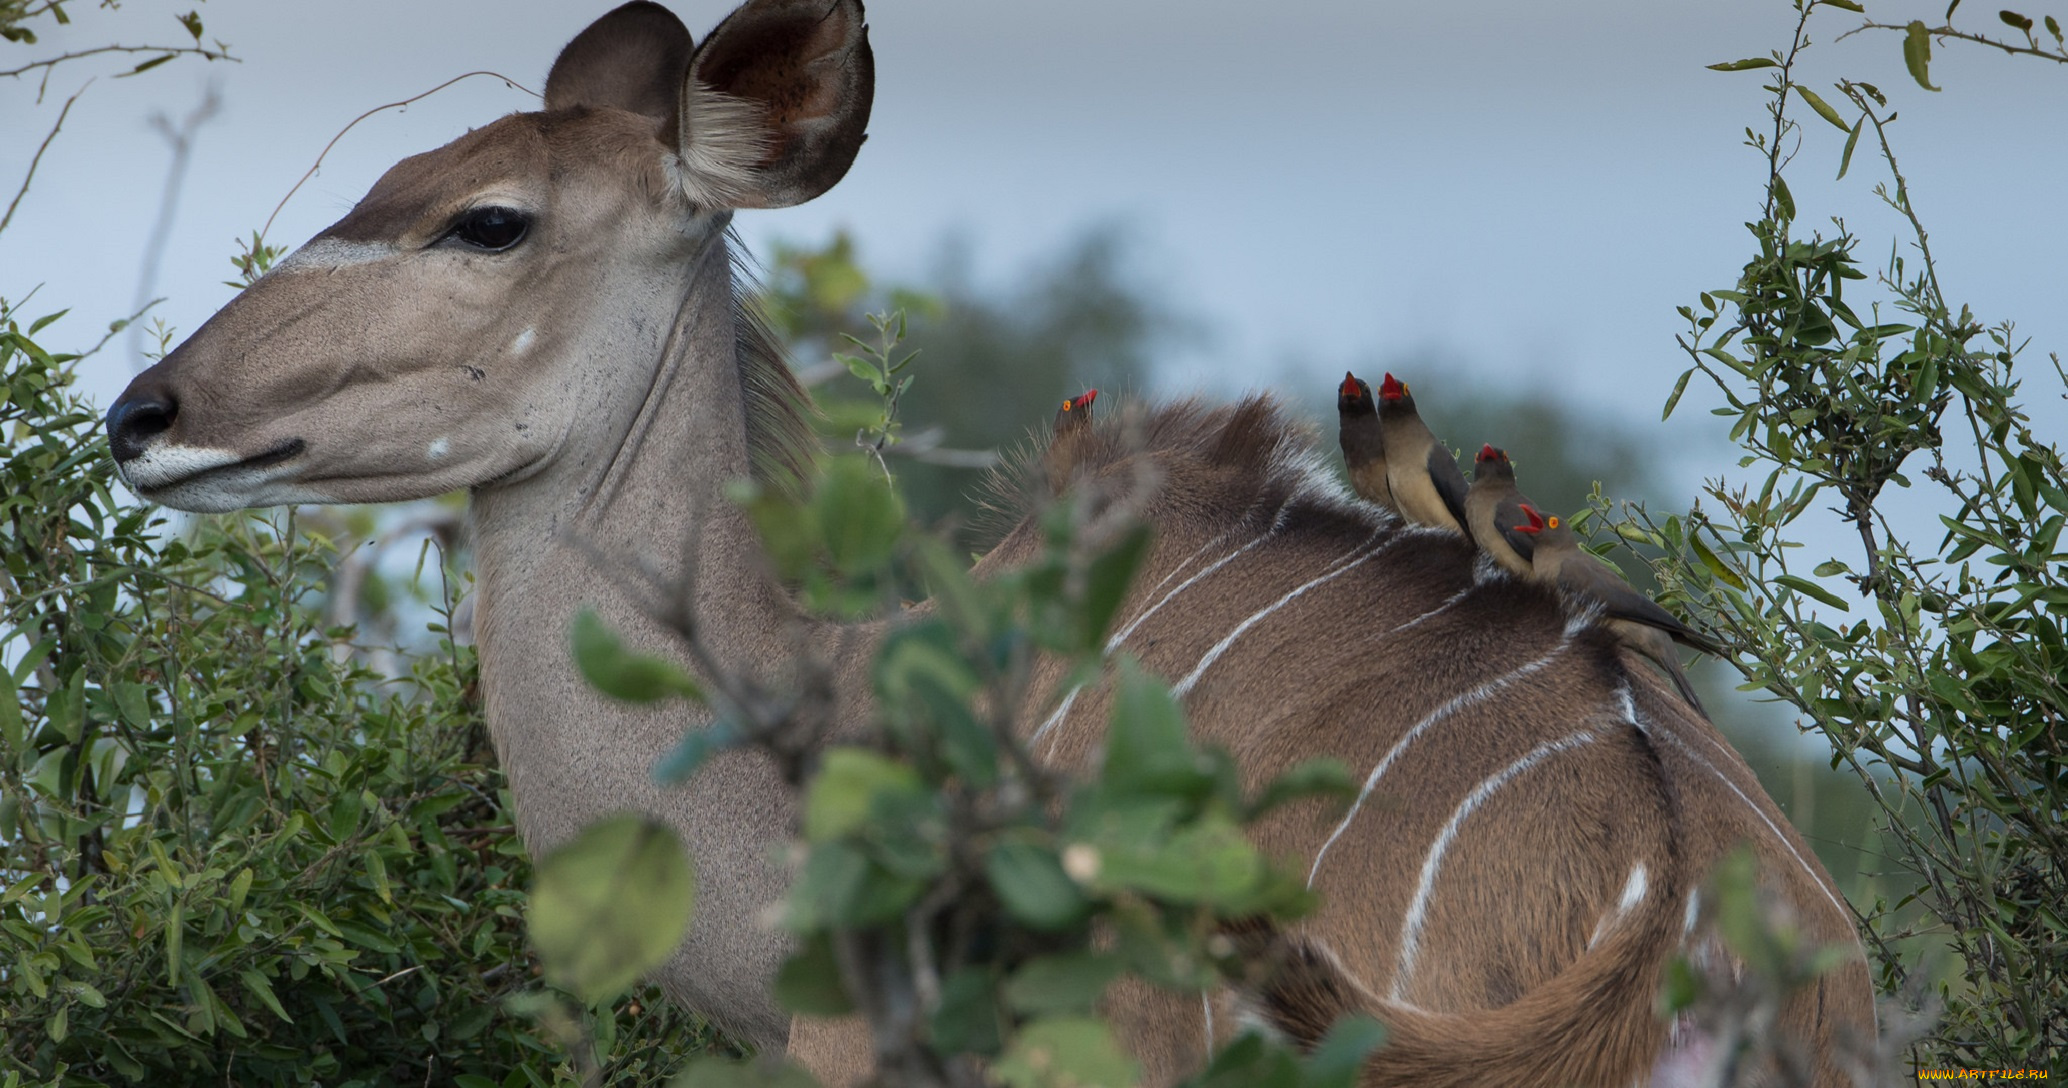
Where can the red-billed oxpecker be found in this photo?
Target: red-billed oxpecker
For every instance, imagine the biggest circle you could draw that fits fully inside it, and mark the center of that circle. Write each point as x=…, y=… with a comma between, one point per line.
x=1073, y=421
x=1636, y=619
x=1426, y=486
x=1493, y=507
x=1364, y=447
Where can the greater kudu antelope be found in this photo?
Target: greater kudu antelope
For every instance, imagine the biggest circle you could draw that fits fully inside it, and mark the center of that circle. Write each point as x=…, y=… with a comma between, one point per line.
x=545, y=311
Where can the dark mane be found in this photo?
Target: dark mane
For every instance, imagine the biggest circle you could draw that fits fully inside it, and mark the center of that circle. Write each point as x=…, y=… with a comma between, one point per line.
x=780, y=438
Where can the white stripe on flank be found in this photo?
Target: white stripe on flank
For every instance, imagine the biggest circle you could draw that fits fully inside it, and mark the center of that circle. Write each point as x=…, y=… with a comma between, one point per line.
x=1453, y=599
x=1070, y=700
x=1417, y=910
x=1694, y=913
x=1630, y=708
x=1206, y=1004
x=1633, y=889
x=1337, y=567
x=1633, y=894
x=1456, y=703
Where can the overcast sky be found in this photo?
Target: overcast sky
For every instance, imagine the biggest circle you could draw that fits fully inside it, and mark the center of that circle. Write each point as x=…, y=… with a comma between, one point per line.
x=1526, y=189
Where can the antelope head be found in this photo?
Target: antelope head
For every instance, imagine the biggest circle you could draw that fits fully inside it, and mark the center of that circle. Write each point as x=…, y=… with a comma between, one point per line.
x=465, y=323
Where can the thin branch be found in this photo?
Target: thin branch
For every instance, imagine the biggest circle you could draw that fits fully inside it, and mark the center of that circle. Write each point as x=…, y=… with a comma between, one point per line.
x=318, y=164
x=38, y=159
x=1942, y=32
x=168, y=50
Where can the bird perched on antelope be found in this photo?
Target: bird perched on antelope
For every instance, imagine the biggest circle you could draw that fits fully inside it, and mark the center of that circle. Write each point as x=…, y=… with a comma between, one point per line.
x=1073, y=421
x=1421, y=474
x=1638, y=621
x=1493, y=507
x=1364, y=445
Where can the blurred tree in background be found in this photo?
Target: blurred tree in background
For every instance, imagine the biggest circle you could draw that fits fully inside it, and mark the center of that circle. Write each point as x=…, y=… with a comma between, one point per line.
x=993, y=363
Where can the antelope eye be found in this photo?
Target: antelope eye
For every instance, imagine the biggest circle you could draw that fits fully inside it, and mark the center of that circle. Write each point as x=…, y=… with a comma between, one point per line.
x=493, y=228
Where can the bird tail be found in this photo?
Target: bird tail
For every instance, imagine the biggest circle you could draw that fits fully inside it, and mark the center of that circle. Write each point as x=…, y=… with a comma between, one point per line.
x=1687, y=690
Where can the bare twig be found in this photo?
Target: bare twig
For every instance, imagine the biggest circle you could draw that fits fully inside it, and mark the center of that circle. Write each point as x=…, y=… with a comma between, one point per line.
x=318, y=164
x=2056, y=55
x=168, y=50
x=38, y=159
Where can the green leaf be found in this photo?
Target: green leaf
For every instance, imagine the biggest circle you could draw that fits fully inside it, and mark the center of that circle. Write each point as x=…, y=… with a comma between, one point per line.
x=611, y=905
x=1318, y=777
x=809, y=981
x=1339, y=1059
x=1745, y=65
x=1146, y=745
x=1030, y=881
x=696, y=747
x=1849, y=5
x=262, y=988
x=1070, y=982
x=862, y=368
x=1679, y=387
x=860, y=515
x=968, y=1019
x=1210, y=862
x=1065, y=1052
x=1917, y=54
x=1822, y=107
x=1852, y=140
x=1811, y=589
x=147, y=65
x=2013, y=19
x=624, y=674
x=849, y=780
x=240, y=886
x=12, y=729
x=1784, y=201
x=1106, y=580
x=840, y=886
x=1715, y=565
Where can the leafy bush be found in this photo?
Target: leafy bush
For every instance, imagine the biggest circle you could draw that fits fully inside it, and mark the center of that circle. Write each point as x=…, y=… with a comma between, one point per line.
x=226, y=856
x=1939, y=676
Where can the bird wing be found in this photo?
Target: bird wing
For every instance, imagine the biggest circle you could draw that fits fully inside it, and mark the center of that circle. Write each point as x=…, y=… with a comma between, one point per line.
x=1449, y=481
x=1507, y=515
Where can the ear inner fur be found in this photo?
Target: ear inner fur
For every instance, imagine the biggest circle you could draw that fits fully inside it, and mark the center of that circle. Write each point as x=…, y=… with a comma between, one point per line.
x=804, y=71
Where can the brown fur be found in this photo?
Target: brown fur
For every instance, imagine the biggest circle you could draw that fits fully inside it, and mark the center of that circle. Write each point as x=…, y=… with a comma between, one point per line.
x=1504, y=988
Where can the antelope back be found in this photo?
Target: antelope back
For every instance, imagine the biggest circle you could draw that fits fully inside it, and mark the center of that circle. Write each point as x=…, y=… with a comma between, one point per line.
x=1535, y=812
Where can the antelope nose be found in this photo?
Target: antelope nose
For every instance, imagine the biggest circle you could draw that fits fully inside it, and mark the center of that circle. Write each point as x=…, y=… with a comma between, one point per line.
x=139, y=415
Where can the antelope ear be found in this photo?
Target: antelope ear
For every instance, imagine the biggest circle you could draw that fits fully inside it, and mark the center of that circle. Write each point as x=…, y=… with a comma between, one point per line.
x=634, y=58
x=776, y=103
